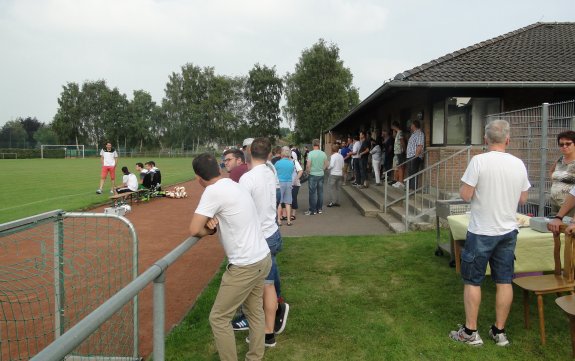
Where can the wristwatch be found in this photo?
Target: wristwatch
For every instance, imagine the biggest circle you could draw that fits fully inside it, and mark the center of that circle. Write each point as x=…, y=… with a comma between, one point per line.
x=558, y=217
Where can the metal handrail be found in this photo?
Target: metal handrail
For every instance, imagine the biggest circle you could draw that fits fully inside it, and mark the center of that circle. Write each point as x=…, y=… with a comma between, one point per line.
x=72, y=338
x=386, y=184
x=422, y=172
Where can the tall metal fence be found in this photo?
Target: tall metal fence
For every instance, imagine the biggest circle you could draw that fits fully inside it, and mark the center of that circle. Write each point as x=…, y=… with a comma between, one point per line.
x=55, y=269
x=534, y=140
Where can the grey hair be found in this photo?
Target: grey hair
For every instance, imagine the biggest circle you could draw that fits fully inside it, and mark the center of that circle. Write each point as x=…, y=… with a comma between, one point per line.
x=497, y=131
x=286, y=152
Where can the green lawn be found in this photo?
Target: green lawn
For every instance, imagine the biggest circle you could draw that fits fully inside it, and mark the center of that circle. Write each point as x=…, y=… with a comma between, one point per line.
x=32, y=186
x=376, y=298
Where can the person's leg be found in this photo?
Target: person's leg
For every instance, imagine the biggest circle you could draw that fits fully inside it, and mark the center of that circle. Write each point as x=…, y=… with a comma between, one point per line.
x=344, y=170
x=331, y=188
x=362, y=171
x=376, y=171
x=319, y=204
x=113, y=177
x=312, y=184
x=294, y=205
x=239, y=285
x=503, y=301
x=253, y=309
x=270, y=306
x=103, y=176
x=356, y=167
x=337, y=188
x=471, y=301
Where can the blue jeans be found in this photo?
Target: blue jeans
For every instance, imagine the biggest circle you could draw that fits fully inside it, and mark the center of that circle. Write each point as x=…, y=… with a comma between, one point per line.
x=498, y=251
x=275, y=243
x=315, y=193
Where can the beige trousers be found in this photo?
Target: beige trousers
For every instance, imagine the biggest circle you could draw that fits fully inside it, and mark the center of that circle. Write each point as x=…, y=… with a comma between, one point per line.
x=240, y=285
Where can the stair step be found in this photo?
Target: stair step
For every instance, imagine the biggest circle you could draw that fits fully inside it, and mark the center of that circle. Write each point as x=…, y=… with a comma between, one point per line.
x=391, y=222
x=365, y=206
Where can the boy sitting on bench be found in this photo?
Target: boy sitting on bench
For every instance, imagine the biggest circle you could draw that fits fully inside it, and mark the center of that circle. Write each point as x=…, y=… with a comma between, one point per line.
x=129, y=182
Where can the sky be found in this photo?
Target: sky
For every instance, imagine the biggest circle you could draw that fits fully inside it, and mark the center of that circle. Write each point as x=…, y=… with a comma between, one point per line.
x=137, y=44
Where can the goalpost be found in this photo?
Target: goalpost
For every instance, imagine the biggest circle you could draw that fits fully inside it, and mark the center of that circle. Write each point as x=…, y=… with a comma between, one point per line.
x=70, y=150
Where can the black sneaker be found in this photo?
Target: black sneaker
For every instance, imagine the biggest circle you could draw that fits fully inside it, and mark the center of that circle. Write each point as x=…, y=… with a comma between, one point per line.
x=270, y=340
x=241, y=324
x=281, y=318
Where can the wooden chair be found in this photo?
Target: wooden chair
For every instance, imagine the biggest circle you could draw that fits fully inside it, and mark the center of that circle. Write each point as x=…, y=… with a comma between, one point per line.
x=567, y=304
x=562, y=280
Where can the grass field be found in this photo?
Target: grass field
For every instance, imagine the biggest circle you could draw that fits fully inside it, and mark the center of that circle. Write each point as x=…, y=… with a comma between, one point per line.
x=32, y=186
x=376, y=298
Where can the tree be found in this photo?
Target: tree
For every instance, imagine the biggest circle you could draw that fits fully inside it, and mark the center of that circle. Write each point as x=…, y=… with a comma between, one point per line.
x=45, y=135
x=13, y=135
x=142, y=111
x=30, y=125
x=319, y=92
x=67, y=122
x=263, y=94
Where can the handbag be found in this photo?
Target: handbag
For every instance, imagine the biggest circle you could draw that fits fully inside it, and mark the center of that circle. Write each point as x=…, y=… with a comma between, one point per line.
x=304, y=177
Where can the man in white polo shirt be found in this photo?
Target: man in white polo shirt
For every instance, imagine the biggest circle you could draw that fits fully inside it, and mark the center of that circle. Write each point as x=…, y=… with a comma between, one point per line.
x=227, y=206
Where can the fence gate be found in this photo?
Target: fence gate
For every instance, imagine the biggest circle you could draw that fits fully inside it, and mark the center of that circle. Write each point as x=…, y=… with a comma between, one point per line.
x=534, y=140
x=57, y=267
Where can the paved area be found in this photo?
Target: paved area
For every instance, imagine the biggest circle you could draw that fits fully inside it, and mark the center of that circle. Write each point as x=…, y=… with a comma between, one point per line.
x=335, y=221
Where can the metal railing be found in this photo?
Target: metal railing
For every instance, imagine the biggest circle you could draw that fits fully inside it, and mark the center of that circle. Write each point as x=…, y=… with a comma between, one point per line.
x=385, y=178
x=436, y=182
x=62, y=346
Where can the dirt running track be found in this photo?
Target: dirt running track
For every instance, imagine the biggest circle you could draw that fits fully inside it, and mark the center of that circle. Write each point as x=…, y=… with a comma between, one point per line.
x=161, y=225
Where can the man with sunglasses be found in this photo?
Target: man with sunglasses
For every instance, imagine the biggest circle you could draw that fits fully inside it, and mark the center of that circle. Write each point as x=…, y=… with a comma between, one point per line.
x=235, y=163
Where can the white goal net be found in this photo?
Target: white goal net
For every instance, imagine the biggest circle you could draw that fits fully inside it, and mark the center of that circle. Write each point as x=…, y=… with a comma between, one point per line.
x=67, y=151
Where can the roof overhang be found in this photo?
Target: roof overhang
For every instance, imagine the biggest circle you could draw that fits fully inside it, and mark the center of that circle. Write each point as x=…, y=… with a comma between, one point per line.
x=402, y=84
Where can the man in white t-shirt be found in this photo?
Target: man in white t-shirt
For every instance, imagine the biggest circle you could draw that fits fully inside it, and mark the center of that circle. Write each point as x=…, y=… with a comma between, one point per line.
x=495, y=183
x=227, y=206
x=129, y=182
x=109, y=159
x=260, y=181
x=335, y=176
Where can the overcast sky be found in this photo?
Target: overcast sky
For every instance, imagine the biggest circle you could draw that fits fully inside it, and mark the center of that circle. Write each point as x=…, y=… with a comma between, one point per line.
x=137, y=44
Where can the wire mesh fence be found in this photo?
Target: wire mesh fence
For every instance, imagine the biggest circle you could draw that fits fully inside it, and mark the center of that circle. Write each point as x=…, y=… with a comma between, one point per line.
x=55, y=269
x=534, y=140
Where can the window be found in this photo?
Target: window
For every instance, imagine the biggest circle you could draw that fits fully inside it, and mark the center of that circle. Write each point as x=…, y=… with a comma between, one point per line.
x=460, y=120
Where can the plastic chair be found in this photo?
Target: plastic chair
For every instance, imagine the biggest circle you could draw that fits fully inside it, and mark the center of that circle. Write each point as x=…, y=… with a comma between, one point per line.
x=562, y=280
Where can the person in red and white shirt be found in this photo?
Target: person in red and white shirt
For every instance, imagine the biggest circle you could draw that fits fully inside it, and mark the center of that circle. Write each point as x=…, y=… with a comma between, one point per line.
x=109, y=159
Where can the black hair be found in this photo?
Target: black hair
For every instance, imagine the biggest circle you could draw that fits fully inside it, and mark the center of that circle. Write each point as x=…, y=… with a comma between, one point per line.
x=125, y=170
x=206, y=166
x=568, y=134
x=152, y=163
x=140, y=165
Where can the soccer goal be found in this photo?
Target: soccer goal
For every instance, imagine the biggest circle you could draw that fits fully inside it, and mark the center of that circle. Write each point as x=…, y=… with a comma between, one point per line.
x=68, y=150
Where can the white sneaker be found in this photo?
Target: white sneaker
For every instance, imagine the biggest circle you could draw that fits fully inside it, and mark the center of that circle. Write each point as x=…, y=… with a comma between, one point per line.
x=500, y=339
x=111, y=192
x=461, y=336
x=98, y=191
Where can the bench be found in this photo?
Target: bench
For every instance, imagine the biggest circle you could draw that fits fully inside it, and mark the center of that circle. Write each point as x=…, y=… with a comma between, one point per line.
x=131, y=196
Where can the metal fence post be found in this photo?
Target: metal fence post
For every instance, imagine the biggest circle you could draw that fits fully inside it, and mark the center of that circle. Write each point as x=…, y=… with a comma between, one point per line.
x=59, y=295
x=159, y=317
x=543, y=164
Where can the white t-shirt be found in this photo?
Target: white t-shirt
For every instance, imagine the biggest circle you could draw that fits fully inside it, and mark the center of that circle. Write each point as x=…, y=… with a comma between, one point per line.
x=131, y=181
x=260, y=182
x=335, y=164
x=297, y=168
x=498, y=178
x=109, y=157
x=355, y=149
x=238, y=228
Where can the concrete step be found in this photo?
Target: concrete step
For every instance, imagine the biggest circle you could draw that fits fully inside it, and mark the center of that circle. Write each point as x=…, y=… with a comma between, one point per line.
x=360, y=201
x=394, y=224
x=375, y=197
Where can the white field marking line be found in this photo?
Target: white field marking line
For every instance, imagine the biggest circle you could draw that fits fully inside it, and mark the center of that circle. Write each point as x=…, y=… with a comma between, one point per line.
x=43, y=200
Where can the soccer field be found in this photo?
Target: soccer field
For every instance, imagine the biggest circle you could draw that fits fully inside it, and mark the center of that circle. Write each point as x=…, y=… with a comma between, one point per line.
x=32, y=186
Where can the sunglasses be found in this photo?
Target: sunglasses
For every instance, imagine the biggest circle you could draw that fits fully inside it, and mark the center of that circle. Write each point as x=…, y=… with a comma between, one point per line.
x=566, y=144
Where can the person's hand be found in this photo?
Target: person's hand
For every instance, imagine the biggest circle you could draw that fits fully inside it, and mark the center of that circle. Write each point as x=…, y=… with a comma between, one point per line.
x=570, y=228
x=212, y=224
x=554, y=225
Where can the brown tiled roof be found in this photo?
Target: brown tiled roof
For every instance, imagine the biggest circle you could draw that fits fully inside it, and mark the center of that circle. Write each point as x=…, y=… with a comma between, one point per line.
x=541, y=52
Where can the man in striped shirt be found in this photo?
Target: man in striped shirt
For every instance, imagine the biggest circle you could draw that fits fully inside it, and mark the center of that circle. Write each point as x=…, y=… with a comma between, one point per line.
x=414, y=151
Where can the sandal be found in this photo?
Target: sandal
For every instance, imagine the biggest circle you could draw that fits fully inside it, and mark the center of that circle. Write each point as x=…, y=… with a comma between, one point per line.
x=284, y=218
x=289, y=223
x=292, y=218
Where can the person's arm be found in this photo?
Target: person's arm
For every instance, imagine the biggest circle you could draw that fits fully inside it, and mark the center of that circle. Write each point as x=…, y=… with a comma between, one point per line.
x=202, y=225
x=331, y=162
x=466, y=192
x=325, y=163
x=556, y=222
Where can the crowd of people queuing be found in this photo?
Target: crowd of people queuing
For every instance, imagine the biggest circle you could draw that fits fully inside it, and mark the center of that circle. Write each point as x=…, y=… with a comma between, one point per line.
x=148, y=175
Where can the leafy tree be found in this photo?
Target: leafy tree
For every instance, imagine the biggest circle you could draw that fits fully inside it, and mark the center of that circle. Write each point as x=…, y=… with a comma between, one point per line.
x=45, y=135
x=13, y=135
x=263, y=94
x=67, y=122
x=30, y=125
x=319, y=92
x=142, y=110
